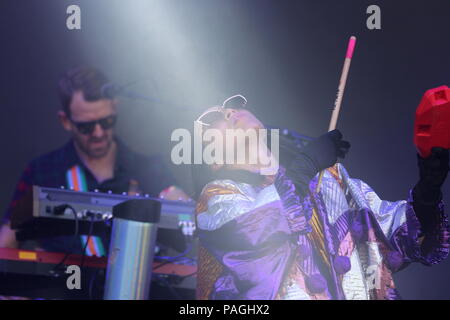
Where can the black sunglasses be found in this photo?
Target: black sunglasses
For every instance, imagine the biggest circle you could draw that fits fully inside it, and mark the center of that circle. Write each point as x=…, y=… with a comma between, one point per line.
x=89, y=127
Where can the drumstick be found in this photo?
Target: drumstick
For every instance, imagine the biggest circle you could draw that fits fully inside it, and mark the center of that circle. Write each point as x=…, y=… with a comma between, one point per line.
x=340, y=94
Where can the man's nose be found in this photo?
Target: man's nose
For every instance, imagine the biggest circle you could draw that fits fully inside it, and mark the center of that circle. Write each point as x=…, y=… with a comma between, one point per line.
x=98, y=131
x=229, y=113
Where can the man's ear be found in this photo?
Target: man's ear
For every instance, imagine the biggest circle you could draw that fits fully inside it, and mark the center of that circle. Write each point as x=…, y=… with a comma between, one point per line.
x=64, y=120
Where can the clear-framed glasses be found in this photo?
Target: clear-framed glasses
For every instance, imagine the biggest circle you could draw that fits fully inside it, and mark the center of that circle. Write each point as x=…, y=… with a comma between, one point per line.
x=213, y=114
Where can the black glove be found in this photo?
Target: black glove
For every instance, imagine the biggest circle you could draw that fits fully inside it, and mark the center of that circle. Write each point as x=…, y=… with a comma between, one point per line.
x=316, y=156
x=324, y=151
x=427, y=192
x=433, y=172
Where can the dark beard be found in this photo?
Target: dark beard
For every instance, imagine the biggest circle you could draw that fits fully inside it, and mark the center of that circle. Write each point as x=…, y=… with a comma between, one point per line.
x=89, y=153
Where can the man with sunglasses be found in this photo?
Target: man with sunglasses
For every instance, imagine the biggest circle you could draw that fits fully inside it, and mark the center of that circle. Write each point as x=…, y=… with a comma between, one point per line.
x=93, y=159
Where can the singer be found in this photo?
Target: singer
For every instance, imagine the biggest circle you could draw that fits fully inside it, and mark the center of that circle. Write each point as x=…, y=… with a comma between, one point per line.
x=275, y=237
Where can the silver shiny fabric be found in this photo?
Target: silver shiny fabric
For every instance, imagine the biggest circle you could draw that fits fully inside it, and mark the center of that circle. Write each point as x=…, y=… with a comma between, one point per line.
x=224, y=208
x=365, y=264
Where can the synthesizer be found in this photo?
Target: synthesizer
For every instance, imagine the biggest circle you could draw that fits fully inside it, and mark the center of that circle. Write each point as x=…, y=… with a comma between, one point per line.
x=60, y=207
x=39, y=274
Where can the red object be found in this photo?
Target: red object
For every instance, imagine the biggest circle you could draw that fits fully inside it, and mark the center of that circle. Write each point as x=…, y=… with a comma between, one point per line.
x=432, y=125
x=93, y=262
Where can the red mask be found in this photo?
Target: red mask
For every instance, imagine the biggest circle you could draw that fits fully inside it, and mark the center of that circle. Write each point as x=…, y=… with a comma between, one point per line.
x=432, y=125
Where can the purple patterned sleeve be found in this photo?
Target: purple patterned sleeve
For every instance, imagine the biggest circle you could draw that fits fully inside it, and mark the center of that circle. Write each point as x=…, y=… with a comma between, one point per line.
x=415, y=243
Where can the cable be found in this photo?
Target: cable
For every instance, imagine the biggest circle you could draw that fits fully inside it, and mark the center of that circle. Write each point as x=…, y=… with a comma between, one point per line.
x=92, y=284
x=175, y=258
x=160, y=265
x=188, y=275
x=170, y=287
x=91, y=228
x=75, y=238
x=94, y=276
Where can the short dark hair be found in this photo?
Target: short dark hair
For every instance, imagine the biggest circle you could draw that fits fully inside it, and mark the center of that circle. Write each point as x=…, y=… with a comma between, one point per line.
x=86, y=79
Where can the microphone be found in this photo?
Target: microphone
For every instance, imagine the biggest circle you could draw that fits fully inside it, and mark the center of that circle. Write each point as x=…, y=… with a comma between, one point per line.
x=291, y=134
x=290, y=140
x=111, y=90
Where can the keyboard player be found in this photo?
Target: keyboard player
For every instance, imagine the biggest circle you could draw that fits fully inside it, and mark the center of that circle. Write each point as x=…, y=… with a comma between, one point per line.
x=93, y=159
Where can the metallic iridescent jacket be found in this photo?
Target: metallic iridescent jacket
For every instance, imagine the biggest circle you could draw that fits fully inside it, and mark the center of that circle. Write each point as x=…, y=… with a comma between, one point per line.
x=263, y=242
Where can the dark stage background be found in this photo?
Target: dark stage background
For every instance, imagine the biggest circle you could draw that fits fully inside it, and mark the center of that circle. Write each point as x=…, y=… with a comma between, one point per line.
x=285, y=56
